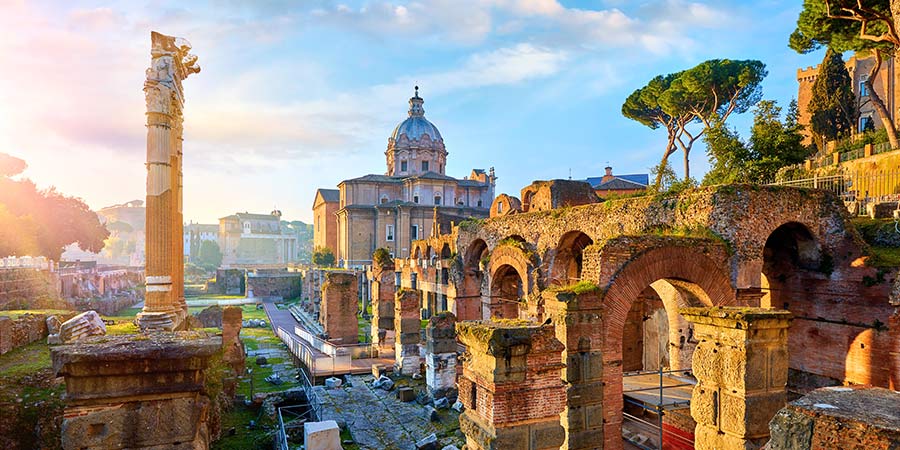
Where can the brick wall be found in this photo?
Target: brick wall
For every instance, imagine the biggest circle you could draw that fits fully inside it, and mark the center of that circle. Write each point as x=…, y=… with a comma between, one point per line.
x=285, y=285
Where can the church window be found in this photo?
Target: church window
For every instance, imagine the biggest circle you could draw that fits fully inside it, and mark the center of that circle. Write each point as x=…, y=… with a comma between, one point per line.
x=416, y=198
x=479, y=203
x=384, y=199
x=389, y=233
x=403, y=166
x=414, y=232
x=424, y=166
x=437, y=199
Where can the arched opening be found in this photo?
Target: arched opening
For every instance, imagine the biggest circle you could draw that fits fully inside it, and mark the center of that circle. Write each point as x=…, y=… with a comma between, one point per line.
x=526, y=200
x=417, y=253
x=445, y=251
x=506, y=293
x=789, y=250
x=793, y=265
x=569, y=260
x=469, y=294
x=644, y=333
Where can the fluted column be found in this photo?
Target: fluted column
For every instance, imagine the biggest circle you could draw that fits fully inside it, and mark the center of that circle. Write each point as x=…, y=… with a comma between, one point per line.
x=164, y=305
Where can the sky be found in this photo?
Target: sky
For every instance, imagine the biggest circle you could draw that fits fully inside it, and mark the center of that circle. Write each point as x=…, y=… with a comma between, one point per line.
x=299, y=95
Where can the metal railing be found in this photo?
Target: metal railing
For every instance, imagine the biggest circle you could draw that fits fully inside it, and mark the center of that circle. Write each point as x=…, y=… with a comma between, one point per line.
x=864, y=188
x=659, y=407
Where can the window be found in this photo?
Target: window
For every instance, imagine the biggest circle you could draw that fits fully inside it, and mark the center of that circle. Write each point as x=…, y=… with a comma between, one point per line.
x=866, y=124
x=403, y=166
x=414, y=232
x=437, y=199
x=499, y=207
x=416, y=198
x=479, y=203
x=424, y=166
x=863, y=92
x=384, y=199
x=389, y=233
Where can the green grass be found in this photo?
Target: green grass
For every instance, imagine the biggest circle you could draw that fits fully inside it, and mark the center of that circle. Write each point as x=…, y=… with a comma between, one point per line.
x=884, y=257
x=25, y=360
x=15, y=313
x=244, y=438
x=217, y=297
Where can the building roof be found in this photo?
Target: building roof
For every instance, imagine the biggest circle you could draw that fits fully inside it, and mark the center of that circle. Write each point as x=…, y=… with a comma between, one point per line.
x=416, y=126
x=641, y=179
x=329, y=195
x=374, y=178
x=618, y=183
x=246, y=215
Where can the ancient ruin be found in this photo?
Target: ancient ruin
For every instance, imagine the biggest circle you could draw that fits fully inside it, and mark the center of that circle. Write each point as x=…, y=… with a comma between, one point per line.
x=170, y=64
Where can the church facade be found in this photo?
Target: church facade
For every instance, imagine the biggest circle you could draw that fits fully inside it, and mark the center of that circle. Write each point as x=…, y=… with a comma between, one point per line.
x=413, y=199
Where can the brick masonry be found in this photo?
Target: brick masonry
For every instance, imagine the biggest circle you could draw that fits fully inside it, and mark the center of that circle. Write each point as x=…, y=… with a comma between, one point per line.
x=511, y=385
x=340, y=306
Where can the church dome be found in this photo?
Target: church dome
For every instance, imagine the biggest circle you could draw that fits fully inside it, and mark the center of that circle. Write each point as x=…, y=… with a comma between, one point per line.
x=416, y=126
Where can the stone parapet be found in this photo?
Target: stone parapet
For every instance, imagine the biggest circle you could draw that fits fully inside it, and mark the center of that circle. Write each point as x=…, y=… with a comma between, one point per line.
x=741, y=365
x=511, y=385
x=839, y=417
x=136, y=391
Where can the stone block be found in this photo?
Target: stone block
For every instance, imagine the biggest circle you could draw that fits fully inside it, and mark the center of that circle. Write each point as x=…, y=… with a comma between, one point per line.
x=406, y=394
x=322, y=435
x=839, y=417
x=881, y=210
x=211, y=317
x=81, y=326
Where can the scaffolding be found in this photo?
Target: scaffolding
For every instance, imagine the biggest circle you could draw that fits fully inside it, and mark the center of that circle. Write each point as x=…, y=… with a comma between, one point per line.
x=658, y=392
x=294, y=416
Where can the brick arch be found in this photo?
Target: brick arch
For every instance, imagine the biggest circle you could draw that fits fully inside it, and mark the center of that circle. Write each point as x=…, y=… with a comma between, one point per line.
x=515, y=257
x=566, y=260
x=469, y=290
x=688, y=265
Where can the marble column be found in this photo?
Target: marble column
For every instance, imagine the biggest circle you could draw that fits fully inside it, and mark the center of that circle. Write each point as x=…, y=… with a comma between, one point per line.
x=164, y=307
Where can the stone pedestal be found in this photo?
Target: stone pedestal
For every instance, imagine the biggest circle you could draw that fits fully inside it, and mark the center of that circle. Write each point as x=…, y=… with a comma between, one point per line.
x=440, y=354
x=408, y=330
x=383, y=289
x=340, y=305
x=741, y=365
x=511, y=385
x=136, y=391
x=577, y=321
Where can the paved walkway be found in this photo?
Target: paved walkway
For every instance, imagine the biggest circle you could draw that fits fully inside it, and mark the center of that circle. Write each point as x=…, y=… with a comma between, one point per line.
x=377, y=419
x=282, y=318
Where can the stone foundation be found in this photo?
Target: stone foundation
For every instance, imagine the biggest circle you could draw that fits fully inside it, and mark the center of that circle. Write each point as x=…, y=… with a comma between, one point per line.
x=136, y=391
x=340, y=305
x=24, y=330
x=840, y=418
x=741, y=365
x=511, y=385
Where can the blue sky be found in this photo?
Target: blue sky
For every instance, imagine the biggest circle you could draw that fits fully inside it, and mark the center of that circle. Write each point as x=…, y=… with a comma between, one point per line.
x=296, y=95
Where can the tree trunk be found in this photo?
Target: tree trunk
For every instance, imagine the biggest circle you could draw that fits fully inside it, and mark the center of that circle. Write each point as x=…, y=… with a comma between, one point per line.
x=687, y=164
x=882, y=110
x=670, y=148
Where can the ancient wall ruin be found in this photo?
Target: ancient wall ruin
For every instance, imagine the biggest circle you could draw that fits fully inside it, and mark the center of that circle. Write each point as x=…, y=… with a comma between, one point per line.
x=340, y=305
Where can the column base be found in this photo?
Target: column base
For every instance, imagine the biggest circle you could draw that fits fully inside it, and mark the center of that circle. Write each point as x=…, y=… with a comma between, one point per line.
x=158, y=321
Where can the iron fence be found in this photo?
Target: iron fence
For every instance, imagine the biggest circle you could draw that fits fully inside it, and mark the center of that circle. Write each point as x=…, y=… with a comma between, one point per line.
x=861, y=188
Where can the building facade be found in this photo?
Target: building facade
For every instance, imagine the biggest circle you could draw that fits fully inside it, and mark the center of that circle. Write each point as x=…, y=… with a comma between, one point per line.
x=413, y=199
x=612, y=185
x=247, y=239
x=197, y=233
x=859, y=68
x=325, y=208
